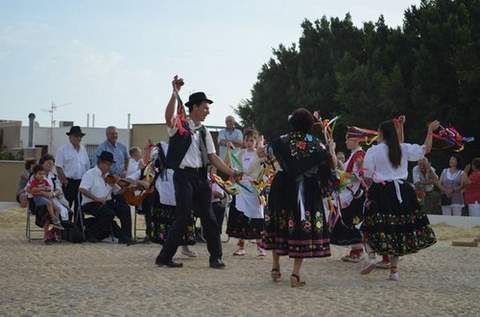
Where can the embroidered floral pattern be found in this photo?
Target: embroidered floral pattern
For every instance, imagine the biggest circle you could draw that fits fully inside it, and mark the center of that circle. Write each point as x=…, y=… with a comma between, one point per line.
x=163, y=218
x=398, y=234
x=303, y=145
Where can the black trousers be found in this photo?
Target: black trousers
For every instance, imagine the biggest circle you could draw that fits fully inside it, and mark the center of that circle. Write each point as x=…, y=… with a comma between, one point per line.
x=122, y=211
x=219, y=211
x=103, y=225
x=71, y=192
x=192, y=191
x=104, y=214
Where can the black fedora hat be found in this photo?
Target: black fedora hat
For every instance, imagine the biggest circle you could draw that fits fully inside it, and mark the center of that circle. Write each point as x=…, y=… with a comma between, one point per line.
x=197, y=98
x=75, y=130
x=106, y=156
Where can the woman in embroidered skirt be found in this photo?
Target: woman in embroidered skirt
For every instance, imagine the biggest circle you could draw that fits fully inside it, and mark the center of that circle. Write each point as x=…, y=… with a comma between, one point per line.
x=245, y=218
x=295, y=223
x=394, y=224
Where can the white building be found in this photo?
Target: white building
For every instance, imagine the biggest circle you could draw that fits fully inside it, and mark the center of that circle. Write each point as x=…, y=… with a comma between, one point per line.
x=93, y=137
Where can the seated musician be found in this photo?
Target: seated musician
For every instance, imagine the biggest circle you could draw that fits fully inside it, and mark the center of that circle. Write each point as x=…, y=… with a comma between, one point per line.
x=96, y=188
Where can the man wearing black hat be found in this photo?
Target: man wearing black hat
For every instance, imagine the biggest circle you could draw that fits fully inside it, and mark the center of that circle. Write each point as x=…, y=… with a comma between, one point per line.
x=97, y=200
x=72, y=162
x=190, y=150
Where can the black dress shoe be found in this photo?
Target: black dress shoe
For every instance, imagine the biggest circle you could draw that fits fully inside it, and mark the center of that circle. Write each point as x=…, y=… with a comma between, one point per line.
x=127, y=242
x=168, y=263
x=92, y=239
x=131, y=242
x=217, y=264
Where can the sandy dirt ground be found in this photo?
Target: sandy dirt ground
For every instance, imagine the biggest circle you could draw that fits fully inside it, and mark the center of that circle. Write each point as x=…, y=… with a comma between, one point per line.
x=107, y=279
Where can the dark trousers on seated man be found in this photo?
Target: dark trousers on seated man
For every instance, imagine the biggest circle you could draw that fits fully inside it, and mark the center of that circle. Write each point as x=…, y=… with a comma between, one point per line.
x=122, y=211
x=71, y=192
x=103, y=224
x=192, y=191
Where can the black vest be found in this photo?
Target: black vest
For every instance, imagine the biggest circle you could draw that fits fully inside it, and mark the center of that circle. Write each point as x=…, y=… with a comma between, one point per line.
x=178, y=146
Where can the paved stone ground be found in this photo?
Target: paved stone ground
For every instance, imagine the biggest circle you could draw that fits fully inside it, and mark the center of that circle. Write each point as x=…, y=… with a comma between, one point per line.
x=108, y=279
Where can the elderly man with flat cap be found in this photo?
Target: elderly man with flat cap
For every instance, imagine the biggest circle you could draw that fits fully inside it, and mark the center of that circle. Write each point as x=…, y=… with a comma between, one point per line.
x=72, y=163
x=191, y=150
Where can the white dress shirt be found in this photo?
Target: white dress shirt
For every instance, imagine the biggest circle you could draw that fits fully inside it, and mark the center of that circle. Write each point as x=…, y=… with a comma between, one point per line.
x=94, y=182
x=193, y=157
x=74, y=163
x=378, y=167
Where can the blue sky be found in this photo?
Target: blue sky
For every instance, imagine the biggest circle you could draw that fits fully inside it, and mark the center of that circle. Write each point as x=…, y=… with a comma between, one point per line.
x=116, y=57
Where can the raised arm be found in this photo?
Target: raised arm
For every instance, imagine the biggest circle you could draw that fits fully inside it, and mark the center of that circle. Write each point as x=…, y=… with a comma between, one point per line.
x=171, y=106
x=399, y=126
x=429, y=138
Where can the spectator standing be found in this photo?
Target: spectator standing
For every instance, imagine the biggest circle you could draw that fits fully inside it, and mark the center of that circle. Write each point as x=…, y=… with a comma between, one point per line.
x=229, y=137
x=472, y=188
x=450, y=185
x=71, y=163
x=424, y=179
x=119, y=168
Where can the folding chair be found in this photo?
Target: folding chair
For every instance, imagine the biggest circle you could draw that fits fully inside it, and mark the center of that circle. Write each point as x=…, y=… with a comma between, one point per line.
x=30, y=211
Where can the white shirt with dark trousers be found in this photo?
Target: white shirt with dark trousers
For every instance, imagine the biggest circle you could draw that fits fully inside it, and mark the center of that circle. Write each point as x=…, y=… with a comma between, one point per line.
x=191, y=185
x=193, y=158
x=94, y=182
x=74, y=163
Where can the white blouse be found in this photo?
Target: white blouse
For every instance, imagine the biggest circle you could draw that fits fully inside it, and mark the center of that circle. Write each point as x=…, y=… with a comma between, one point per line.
x=378, y=167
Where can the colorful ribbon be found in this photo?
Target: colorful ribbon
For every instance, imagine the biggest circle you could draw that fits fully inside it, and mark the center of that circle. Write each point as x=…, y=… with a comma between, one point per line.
x=181, y=122
x=452, y=137
x=366, y=136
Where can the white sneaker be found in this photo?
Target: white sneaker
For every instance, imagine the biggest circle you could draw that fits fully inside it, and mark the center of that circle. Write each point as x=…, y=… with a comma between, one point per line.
x=394, y=276
x=261, y=252
x=190, y=253
x=239, y=252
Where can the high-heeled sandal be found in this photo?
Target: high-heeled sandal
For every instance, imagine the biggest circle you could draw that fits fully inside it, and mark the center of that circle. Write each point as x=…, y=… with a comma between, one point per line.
x=276, y=275
x=295, y=281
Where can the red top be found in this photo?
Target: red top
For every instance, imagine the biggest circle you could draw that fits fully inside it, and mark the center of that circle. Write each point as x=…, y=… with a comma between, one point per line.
x=357, y=156
x=472, y=191
x=35, y=183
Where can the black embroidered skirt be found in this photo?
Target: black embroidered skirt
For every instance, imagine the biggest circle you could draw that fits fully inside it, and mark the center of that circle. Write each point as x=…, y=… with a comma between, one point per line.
x=241, y=227
x=285, y=231
x=345, y=231
x=163, y=217
x=394, y=228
